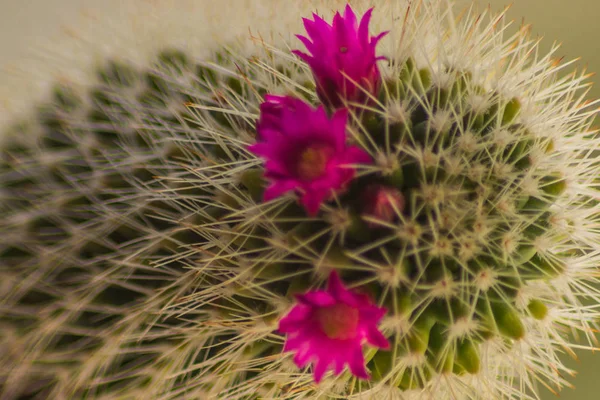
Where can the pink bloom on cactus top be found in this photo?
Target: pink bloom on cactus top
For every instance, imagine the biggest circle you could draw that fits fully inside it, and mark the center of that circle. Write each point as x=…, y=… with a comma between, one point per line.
x=329, y=327
x=304, y=150
x=342, y=49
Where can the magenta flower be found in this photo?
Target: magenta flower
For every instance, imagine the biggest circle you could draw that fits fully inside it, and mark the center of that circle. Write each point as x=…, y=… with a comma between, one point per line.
x=305, y=151
x=338, y=49
x=382, y=202
x=329, y=328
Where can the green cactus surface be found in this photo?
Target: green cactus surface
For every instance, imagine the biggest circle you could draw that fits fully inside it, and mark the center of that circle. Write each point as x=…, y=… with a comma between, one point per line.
x=139, y=260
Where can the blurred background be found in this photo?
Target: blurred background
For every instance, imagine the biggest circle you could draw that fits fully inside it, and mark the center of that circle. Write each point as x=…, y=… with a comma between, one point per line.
x=26, y=24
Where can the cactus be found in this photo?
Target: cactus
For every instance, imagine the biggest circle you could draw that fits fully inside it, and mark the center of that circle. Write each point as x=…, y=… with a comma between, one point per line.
x=141, y=260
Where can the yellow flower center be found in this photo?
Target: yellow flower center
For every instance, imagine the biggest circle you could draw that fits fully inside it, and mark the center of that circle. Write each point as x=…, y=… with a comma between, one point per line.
x=338, y=321
x=312, y=162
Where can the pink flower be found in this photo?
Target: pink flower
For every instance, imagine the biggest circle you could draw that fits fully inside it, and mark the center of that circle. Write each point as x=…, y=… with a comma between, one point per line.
x=329, y=328
x=338, y=49
x=382, y=202
x=304, y=150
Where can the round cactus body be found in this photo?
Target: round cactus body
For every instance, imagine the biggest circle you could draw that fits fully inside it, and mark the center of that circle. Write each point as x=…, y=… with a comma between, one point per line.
x=415, y=217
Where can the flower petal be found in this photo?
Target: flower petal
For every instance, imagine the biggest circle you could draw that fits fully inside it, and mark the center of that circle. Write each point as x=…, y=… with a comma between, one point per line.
x=349, y=16
x=303, y=356
x=302, y=55
x=353, y=299
x=311, y=200
x=372, y=314
x=363, y=28
x=278, y=188
x=306, y=42
x=338, y=131
x=317, y=298
x=356, y=155
x=294, y=318
x=320, y=369
x=357, y=364
x=376, y=339
x=293, y=342
x=339, y=364
x=335, y=286
x=377, y=38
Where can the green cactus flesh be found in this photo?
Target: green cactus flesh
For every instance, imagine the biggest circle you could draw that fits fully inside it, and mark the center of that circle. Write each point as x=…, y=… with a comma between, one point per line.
x=139, y=258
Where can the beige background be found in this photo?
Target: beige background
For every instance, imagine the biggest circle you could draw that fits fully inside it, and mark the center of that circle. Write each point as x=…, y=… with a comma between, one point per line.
x=29, y=26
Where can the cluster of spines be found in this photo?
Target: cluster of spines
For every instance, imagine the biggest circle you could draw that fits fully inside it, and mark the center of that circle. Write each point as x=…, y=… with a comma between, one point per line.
x=83, y=224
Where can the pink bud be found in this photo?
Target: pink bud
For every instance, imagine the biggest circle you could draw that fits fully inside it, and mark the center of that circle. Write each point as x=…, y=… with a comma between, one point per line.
x=342, y=58
x=383, y=203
